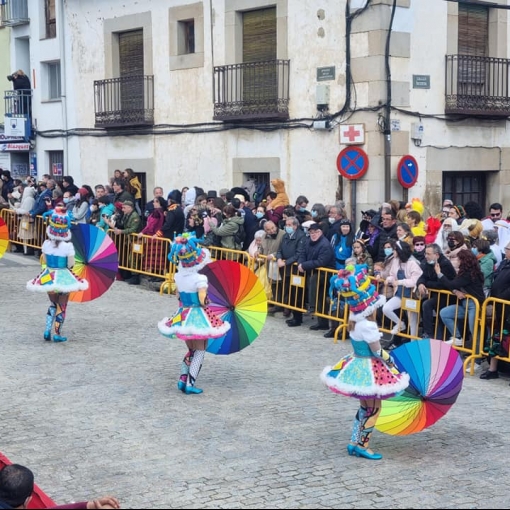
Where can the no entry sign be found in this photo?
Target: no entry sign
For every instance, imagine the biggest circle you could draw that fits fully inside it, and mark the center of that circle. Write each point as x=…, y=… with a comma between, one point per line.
x=407, y=171
x=352, y=163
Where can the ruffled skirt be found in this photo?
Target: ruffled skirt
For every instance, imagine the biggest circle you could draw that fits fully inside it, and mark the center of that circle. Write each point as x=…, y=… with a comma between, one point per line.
x=364, y=378
x=57, y=280
x=193, y=323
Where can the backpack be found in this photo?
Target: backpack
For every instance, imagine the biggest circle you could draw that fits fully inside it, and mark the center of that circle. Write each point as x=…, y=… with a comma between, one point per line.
x=240, y=237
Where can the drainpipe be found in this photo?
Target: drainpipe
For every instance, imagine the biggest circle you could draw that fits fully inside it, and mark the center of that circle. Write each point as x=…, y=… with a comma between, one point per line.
x=63, y=81
x=387, y=111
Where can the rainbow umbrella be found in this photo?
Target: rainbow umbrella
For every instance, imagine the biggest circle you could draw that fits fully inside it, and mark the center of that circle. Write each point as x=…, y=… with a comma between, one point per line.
x=436, y=373
x=4, y=237
x=96, y=261
x=237, y=296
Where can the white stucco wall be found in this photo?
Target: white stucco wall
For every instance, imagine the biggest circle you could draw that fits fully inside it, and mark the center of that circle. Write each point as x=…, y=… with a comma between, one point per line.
x=5, y=65
x=306, y=158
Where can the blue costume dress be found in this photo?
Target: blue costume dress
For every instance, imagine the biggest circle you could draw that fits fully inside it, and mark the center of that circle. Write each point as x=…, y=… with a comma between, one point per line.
x=362, y=374
x=56, y=277
x=192, y=321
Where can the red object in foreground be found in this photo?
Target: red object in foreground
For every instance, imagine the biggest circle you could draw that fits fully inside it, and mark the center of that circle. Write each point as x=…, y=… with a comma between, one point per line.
x=39, y=498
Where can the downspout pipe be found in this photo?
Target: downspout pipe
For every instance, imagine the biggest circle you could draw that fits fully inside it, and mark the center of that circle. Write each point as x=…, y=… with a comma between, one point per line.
x=63, y=82
x=387, y=111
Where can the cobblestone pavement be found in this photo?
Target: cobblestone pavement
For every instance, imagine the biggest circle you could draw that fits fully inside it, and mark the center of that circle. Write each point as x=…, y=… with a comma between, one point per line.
x=101, y=414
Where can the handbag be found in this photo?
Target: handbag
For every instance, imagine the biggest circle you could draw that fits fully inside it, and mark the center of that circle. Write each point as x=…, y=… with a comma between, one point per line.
x=261, y=273
x=273, y=271
x=402, y=291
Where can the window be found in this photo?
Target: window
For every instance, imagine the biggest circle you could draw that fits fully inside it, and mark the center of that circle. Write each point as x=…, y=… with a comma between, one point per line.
x=56, y=161
x=51, y=25
x=186, y=43
x=462, y=187
x=53, y=73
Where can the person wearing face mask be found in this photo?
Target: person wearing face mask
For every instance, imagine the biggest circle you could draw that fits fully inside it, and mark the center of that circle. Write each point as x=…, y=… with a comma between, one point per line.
x=418, y=245
x=335, y=216
x=320, y=216
x=342, y=243
x=301, y=211
x=456, y=243
x=449, y=225
x=432, y=301
x=95, y=214
x=291, y=248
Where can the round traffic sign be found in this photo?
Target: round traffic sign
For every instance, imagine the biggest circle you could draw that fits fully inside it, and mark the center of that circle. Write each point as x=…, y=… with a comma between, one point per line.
x=407, y=171
x=352, y=163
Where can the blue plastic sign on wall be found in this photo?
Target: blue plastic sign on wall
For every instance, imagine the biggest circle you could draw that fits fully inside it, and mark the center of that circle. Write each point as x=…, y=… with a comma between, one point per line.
x=352, y=163
x=407, y=171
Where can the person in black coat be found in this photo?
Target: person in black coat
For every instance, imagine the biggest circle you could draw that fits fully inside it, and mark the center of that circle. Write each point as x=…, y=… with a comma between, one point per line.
x=318, y=253
x=430, y=281
x=21, y=82
x=291, y=250
x=174, y=218
x=388, y=231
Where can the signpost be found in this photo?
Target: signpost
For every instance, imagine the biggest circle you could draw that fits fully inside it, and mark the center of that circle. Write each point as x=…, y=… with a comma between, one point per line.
x=352, y=163
x=407, y=173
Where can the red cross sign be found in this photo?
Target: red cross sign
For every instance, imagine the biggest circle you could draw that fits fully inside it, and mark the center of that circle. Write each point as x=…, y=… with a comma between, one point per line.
x=352, y=134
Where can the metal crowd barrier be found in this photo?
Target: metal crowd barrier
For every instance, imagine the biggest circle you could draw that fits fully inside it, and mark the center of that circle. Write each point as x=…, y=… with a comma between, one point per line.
x=293, y=290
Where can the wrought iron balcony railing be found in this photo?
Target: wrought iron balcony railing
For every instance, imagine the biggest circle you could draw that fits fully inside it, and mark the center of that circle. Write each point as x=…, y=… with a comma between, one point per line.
x=14, y=12
x=124, y=102
x=477, y=86
x=252, y=91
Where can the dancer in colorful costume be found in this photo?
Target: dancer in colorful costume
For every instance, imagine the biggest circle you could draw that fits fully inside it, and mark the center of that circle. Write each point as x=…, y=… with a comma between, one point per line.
x=368, y=373
x=56, y=278
x=194, y=322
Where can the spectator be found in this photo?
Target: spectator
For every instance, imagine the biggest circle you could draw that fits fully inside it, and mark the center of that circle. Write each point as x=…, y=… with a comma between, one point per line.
x=449, y=225
x=318, y=253
x=335, y=216
x=270, y=246
x=456, y=244
x=342, y=243
x=482, y=251
x=320, y=216
x=433, y=302
x=17, y=487
x=495, y=214
x=387, y=231
x=130, y=224
x=362, y=257
x=174, y=218
x=492, y=237
x=106, y=213
x=457, y=213
x=469, y=280
x=228, y=228
x=7, y=184
x=255, y=248
x=402, y=274
x=135, y=187
x=95, y=213
x=68, y=185
x=404, y=233
x=302, y=214
x=26, y=225
x=120, y=193
x=156, y=192
x=100, y=190
x=80, y=210
x=418, y=245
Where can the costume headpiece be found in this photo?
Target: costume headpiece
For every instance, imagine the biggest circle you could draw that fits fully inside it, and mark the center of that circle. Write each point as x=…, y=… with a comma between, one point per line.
x=59, y=228
x=188, y=253
x=359, y=292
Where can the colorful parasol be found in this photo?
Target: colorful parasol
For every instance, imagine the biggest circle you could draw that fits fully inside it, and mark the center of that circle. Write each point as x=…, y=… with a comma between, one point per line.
x=237, y=296
x=4, y=237
x=436, y=373
x=96, y=261
x=39, y=498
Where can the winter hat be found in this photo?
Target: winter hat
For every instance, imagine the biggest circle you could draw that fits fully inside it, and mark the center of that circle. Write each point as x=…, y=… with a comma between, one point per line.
x=188, y=253
x=59, y=228
x=175, y=195
x=359, y=292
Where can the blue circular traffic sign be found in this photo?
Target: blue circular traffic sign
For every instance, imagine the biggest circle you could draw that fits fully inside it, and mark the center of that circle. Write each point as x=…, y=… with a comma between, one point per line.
x=407, y=171
x=352, y=163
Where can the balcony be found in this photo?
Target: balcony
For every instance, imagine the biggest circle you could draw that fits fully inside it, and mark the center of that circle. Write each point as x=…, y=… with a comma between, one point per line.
x=124, y=102
x=13, y=12
x=477, y=86
x=252, y=91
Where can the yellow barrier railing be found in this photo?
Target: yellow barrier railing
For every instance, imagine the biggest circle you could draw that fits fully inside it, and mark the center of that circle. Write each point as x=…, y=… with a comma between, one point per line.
x=291, y=289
